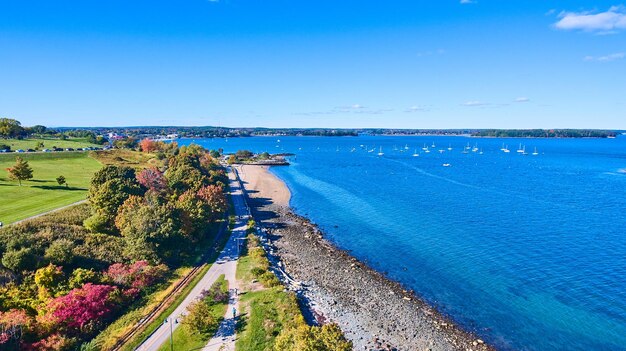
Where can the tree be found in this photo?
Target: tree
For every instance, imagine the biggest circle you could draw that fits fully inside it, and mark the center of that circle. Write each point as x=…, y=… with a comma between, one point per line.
x=148, y=145
x=83, y=309
x=153, y=179
x=38, y=129
x=10, y=128
x=199, y=319
x=60, y=252
x=61, y=180
x=214, y=196
x=20, y=171
x=49, y=280
x=19, y=260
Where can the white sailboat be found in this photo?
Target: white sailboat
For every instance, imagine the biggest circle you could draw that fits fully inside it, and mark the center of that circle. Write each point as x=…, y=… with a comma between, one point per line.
x=520, y=149
x=415, y=154
x=506, y=149
x=425, y=147
x=406, y=147
x=535, y=153
x=380, y=153
x=450, y=147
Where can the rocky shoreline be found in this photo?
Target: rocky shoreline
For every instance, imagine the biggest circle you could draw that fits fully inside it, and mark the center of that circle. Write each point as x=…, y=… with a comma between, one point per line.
x=373, y=311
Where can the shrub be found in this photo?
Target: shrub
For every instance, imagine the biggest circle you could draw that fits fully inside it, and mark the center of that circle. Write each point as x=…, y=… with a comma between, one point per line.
x=20, y=260
x=60, y=252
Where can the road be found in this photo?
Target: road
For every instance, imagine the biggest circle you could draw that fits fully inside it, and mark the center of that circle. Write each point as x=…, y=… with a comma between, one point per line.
x=226, y=264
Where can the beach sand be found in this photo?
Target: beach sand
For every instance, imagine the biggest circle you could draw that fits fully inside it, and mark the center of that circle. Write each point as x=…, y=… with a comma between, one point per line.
x=373, y=311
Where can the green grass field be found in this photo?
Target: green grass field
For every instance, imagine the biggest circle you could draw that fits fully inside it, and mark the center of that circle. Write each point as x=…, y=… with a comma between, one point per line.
x=42, y=193
x=48, y=143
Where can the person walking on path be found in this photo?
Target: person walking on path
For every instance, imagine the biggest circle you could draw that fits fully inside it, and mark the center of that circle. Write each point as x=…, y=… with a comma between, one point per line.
x=234, y=313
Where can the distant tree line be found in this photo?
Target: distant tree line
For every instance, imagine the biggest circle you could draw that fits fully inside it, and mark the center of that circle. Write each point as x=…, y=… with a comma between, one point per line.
x=544, y=133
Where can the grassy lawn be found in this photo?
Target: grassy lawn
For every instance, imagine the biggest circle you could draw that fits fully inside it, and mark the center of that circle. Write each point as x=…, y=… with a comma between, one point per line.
x=123, y=157
x=42, y=193
x=48, y=143
x=185, y=340
x=267, y=311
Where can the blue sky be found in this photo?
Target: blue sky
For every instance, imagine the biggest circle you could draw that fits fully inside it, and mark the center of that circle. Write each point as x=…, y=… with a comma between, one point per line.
x=397, y=64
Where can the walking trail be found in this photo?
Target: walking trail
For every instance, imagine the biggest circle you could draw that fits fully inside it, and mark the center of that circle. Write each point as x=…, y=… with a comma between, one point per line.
x=226, y=264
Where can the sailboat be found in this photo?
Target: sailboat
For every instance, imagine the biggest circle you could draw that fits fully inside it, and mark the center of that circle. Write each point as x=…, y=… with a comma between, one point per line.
x=415, y=154
x=406, y=147
x=535, y=153
x=506, y=149
x=426, y=150
x=380, y=153
x=524, y=150
x=502, y=148
x=433, y=145
x=481, y=152
x=520, y=149
x=450, y=147
x=425, y=147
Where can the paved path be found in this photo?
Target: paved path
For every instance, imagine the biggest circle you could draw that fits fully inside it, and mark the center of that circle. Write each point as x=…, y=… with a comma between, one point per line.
x=226, y=264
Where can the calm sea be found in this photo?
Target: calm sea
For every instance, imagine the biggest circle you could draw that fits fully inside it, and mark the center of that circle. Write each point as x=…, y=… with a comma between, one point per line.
x=528, y=250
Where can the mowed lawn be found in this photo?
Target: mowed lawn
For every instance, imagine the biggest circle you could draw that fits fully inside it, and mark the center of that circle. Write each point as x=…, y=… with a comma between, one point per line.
x=42, y=193
x=48, y=143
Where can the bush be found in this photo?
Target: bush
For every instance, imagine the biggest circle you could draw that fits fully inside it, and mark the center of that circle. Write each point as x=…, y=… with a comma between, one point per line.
x=60, y=252
x=96, y=223
x=257, y=271
x=20, y=260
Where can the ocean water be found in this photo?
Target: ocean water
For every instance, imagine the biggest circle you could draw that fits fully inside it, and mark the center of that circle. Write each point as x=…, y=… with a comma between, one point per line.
x=527, y=251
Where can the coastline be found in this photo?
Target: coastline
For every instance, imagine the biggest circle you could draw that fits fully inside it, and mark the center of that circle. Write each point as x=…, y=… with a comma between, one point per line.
x=374, y=312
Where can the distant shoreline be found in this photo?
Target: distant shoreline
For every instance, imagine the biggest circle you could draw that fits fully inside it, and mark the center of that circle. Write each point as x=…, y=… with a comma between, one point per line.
x=372, y=310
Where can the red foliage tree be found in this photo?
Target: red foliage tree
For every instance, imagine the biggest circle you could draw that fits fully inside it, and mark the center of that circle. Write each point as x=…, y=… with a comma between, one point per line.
x=90, y=304
x=148, y=145
x=152, y=179
x=214, y=196
x=138, y=275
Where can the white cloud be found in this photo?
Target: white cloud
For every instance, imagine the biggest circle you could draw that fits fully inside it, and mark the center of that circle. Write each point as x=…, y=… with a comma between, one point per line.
x=606, y=58
x=475, y=103
x=416, y=109
x=522, y=99
x=465, y=2
x=606, y=22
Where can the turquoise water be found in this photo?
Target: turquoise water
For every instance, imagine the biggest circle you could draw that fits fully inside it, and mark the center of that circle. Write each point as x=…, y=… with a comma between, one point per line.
x=528, y=251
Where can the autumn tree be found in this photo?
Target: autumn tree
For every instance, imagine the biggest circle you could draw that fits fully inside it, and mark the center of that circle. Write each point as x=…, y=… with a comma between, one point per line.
x=152, y=179
x=20, y=171
x=148, y=145
x=199, y=319
x=83, y=310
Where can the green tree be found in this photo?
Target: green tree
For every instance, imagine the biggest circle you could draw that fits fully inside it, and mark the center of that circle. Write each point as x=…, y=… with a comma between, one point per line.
x=10, y=128
x=19, y=260
x=60, y=252
x=81, y=276
x=20, y=171
x=110, y=187
x=61, y=180
x=199, y=319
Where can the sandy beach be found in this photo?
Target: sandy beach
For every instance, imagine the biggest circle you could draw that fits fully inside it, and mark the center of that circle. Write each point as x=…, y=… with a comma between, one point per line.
x=373, y=311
